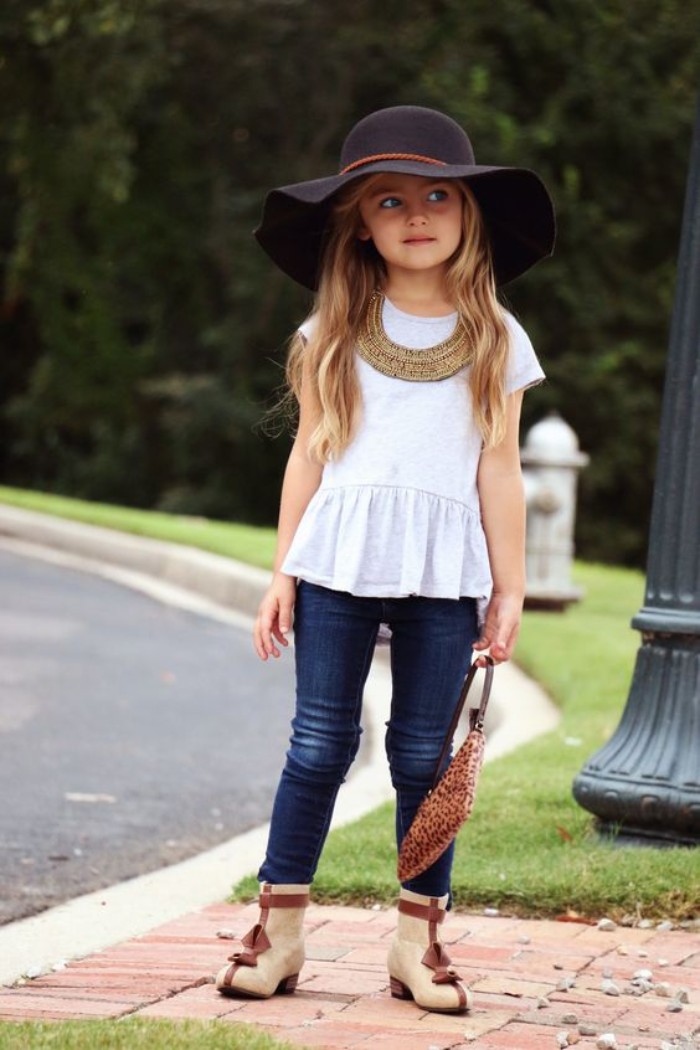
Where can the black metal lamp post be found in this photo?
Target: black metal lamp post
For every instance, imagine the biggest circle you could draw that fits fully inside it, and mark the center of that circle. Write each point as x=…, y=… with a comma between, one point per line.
x=644, y=783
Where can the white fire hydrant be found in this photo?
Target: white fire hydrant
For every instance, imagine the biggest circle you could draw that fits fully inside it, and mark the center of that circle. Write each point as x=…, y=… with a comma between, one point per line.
x=551, y=460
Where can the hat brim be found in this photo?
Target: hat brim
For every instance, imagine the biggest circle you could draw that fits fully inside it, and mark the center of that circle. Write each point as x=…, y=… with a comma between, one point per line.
x=514, y=202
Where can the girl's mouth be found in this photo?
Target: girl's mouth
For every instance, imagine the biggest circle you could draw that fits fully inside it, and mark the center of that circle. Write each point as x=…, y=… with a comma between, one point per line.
x=419, y=240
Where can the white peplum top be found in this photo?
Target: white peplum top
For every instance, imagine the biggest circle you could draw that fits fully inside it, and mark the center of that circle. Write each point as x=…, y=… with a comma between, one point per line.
x=397, y=514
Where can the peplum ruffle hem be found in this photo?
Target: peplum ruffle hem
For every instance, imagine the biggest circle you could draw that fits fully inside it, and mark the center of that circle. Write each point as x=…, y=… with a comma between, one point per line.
x=405, y=541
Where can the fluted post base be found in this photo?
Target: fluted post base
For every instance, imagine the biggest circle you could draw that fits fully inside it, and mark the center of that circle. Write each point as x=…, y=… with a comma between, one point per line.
x=645, y=781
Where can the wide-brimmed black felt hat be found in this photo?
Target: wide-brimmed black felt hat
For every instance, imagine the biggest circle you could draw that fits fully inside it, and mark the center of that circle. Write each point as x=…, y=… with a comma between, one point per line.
x=411, y=140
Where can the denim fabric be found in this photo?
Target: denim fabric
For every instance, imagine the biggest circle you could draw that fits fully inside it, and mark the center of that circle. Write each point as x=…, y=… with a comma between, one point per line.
x=335, y=634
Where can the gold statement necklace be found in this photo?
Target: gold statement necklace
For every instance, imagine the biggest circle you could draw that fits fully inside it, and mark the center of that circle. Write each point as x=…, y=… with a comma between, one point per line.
x=402, y=362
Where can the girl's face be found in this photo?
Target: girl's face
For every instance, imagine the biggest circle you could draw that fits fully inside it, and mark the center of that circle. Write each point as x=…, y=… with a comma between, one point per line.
x=414, y=222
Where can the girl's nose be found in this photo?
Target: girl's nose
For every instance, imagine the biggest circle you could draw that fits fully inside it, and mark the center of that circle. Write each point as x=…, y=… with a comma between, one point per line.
x=417, y=216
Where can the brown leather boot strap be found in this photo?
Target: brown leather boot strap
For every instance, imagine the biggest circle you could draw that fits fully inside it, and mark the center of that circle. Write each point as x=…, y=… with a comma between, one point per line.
x=429, y=913
x=283, y=900
x=437, y=959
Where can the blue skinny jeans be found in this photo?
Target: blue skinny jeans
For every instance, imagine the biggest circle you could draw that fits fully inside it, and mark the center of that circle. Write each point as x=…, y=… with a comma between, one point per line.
x=335, y=635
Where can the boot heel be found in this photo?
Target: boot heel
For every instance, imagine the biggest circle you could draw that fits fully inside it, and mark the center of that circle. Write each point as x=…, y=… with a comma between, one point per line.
x=288, y=985
x=399, y=990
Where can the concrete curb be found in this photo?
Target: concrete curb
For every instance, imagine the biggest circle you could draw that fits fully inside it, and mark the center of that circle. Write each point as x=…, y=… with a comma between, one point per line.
x=226, y=590
x=224, y=581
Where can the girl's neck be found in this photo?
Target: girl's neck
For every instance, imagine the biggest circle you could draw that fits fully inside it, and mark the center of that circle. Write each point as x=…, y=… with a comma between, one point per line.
x=416, y=293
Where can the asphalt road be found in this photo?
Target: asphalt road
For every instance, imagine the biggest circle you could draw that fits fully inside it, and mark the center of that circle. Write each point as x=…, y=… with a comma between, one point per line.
x=132, y=734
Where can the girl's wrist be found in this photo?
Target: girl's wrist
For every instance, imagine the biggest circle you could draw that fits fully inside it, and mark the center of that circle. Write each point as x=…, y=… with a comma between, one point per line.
x=516, y=594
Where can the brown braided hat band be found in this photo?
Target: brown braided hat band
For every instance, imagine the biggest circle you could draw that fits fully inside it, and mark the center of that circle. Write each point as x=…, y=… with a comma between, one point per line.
x=391, y=156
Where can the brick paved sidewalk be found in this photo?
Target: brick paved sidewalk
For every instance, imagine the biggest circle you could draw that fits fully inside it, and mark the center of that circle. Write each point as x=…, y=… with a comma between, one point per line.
x=518, y=971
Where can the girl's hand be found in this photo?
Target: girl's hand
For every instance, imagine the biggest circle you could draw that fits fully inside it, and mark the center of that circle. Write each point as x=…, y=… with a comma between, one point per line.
x=274, y=618
x=501, y=628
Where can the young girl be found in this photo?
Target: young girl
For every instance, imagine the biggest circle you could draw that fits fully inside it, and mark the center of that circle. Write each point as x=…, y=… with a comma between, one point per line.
x=402, y=501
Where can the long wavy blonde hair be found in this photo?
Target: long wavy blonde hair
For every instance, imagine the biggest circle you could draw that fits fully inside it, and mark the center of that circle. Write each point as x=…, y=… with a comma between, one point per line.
x=351, y=270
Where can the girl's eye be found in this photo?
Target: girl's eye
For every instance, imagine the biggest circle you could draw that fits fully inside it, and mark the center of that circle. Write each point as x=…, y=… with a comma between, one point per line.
x=390, y=202
x=437, y=195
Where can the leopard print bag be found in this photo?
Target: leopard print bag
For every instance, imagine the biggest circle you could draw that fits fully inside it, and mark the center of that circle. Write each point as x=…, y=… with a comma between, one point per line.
x=449, y=802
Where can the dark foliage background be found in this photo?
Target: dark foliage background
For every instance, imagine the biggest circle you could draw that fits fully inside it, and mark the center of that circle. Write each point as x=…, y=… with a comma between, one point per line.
x=142, y=331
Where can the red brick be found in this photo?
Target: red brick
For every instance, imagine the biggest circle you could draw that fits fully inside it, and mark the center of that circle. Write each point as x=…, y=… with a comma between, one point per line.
x=343, y=982
x=522, y=1036
x=652, y=1014
x=603, y=1017
x=366, y=955
x=193, y=1002
x=507, y=984
x=175, y=1009
x=602, y=940
x=331, y=913
x=348, y=933
x=37, y=1007
x=325, y=952
x=287, y=1011
x=330, y=1035
x=492, y=1000
x=80, y=994
x=412, y=1041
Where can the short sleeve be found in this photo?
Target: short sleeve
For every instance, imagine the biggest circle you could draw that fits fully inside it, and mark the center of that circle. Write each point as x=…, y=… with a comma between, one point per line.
x=524, y=370
x=306, y=329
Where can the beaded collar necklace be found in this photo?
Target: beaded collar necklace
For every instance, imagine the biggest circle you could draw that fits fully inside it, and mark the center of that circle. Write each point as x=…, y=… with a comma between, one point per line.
x=402, y=362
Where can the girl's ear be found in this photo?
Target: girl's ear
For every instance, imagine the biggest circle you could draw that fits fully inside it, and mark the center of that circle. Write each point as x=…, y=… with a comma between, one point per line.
x=363, y=234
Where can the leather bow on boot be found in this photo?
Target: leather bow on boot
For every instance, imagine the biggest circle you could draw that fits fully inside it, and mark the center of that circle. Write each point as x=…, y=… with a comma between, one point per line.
x=272, y=953
x=419, y=966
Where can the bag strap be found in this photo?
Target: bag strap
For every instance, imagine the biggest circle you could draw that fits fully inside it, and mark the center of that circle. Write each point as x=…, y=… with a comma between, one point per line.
x=476, y=714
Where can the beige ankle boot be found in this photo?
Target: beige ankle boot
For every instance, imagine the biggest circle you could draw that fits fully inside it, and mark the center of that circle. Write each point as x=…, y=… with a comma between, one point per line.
x=419, y=966
x=273, y=951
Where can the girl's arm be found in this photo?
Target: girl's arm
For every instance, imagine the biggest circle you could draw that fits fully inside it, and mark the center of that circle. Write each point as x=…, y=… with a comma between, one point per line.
x=502, y=499
x=301, y=480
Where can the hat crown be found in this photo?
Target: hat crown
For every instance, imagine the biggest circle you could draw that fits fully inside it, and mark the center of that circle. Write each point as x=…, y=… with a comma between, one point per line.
x=411, y=130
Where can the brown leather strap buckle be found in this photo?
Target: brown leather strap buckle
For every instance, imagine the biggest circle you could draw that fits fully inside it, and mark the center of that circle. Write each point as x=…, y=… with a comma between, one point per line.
x=283, y=900
x=429, y=913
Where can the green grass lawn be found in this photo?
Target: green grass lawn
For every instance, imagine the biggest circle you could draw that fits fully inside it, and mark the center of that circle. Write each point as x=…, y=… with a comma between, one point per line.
x=135, y=1034
x=248, y=543
x=528, y=848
